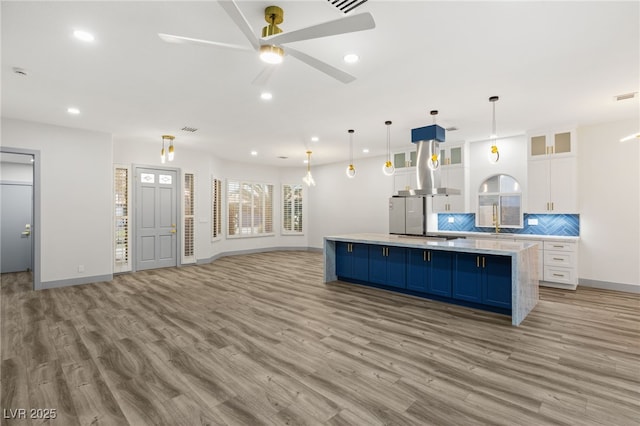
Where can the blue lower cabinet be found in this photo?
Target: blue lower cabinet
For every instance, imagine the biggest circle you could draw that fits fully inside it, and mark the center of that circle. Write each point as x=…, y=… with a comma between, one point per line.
x=497, y=285
x=429, y=271
x=352, y=261
x=440, y=281
x=467, y=277
x=388, y=265
x=483, y=279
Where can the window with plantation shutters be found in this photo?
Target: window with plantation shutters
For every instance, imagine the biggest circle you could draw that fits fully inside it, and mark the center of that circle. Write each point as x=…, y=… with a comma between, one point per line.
x=121, y=242
x=292, y=209
x=249, y=209
x=188, y=233
x=216, y=208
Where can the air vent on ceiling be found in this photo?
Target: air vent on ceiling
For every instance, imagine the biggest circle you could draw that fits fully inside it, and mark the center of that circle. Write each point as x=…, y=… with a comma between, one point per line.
x=189, y=129
x=346, y=6
x=625, y=96
x=451, y=129
x=282, y=157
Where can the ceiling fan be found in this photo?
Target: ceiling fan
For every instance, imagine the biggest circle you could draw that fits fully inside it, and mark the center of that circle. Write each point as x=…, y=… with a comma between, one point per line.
x=270, y=45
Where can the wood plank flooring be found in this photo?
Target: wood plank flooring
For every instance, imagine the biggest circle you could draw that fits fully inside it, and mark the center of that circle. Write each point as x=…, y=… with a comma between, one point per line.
x=259, y=339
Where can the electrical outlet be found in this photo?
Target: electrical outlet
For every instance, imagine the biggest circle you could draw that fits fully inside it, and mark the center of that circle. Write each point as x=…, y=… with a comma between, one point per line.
x=451, y=219
x=532, y=221
x=80, y=268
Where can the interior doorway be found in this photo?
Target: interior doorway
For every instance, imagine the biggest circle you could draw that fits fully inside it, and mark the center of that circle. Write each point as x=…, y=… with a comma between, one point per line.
x=19, y=220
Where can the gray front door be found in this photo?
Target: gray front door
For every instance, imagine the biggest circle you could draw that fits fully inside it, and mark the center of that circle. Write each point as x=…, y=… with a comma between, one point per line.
x=16, y=205
x=156, y=218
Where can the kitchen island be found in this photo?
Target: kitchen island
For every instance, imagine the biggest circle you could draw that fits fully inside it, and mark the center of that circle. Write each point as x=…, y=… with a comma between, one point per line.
x=500, y=276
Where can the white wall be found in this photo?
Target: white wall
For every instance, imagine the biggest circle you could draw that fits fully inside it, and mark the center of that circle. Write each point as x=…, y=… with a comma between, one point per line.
x=513, y=161
x=16, y=172
x=341, y=205
x=608, y=196
x=76, y=182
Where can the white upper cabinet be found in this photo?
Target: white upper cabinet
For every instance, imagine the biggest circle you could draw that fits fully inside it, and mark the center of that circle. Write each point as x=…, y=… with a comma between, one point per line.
x=545, y=144
x=451, y=178
x=451, y=154
x=404, y=180
x=404, y=159
x=552, y=186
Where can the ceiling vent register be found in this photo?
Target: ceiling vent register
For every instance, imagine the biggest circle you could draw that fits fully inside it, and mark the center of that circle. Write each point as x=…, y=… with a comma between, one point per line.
x=346, y=6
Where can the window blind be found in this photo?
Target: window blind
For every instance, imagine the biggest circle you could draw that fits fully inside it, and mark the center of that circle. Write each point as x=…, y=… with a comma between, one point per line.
x=189, y=218
x=216, y=208
x=249, y=208
x=291, y=209
x=122, y=254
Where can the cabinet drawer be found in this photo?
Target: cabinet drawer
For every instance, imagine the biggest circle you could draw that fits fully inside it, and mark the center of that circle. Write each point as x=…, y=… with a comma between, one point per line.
x=549, y=245
x=560, y=275
x=559, y=258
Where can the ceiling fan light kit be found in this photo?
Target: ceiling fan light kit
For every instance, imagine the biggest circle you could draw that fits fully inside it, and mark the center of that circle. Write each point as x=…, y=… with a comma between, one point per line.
x=270, y=45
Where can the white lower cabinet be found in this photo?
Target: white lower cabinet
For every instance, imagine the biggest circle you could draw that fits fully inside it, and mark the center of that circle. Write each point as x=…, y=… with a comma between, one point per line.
x=560, y=265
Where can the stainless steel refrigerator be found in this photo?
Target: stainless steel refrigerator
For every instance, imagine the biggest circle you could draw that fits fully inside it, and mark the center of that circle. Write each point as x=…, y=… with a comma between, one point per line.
x=407, y=216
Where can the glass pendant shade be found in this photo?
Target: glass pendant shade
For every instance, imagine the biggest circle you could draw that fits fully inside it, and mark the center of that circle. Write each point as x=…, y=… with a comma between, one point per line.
x=494, y=154
x=170, y=153
x=434, y=163
x=271, y=54
x=351, y=169
x=387, y=168
x=307, y=178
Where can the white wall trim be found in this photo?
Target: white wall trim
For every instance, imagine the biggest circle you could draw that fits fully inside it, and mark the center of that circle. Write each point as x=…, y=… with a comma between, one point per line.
x=606, y=285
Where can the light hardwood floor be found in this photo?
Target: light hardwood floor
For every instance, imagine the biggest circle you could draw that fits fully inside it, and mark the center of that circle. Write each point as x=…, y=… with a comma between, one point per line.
x=259, y=339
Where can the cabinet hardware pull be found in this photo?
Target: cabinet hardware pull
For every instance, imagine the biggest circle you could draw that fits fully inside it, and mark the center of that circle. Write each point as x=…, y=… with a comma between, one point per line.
x=386, y=251
x=558, y=275
x=558, y=258
x=477, y=261
x=383, y=251
x=424, y=256
x=429, y=256
x=558, y=246
x=483, y=261
x=552, y=205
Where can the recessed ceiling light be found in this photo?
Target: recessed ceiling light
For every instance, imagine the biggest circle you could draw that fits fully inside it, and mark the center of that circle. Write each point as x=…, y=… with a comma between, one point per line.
x=74, y=111
x=351, y=58
x=83, y=36
x=315, y=139
x=365, y=150
x=266, y=96
x=254, y=153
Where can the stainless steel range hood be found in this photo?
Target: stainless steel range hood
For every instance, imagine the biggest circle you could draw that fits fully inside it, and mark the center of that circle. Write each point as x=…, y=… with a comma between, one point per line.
x=428, y=184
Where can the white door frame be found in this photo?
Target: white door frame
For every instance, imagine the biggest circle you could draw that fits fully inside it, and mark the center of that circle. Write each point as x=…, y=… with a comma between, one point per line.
x=133, y=207
x=36, y=209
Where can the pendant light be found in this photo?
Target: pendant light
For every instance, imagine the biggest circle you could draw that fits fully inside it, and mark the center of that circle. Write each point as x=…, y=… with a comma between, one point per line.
x=163, y=154
x=434, y=162
x=351, y=170
x=387, y=167
x=494, y=155
x=308, y=179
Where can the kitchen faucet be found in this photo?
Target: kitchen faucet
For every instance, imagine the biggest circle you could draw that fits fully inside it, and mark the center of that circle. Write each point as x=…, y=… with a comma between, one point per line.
x=495, y=218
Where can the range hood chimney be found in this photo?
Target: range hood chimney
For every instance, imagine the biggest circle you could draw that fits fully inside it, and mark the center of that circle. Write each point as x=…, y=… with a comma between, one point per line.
x=428, y=166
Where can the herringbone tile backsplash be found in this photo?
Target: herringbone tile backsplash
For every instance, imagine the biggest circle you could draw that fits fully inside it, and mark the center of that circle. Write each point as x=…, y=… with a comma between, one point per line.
x=566, y=225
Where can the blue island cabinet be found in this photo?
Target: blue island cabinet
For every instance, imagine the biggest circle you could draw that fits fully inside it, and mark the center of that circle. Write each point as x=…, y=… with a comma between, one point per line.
x=429, y=271
x=388, y=266
x=483, y=279
x=352, y=261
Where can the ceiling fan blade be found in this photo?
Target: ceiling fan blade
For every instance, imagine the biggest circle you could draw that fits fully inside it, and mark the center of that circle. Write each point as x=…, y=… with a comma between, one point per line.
x=321, y=66
x=180, y=39
x=238, y=18
x=264, y=76
x=350, y=24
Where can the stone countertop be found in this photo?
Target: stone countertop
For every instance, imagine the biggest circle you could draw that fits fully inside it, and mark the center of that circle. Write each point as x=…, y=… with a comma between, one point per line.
x=508, y=236
x=483, y=246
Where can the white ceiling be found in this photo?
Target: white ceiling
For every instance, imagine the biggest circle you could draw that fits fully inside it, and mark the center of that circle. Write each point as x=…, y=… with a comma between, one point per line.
x=551, y=63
